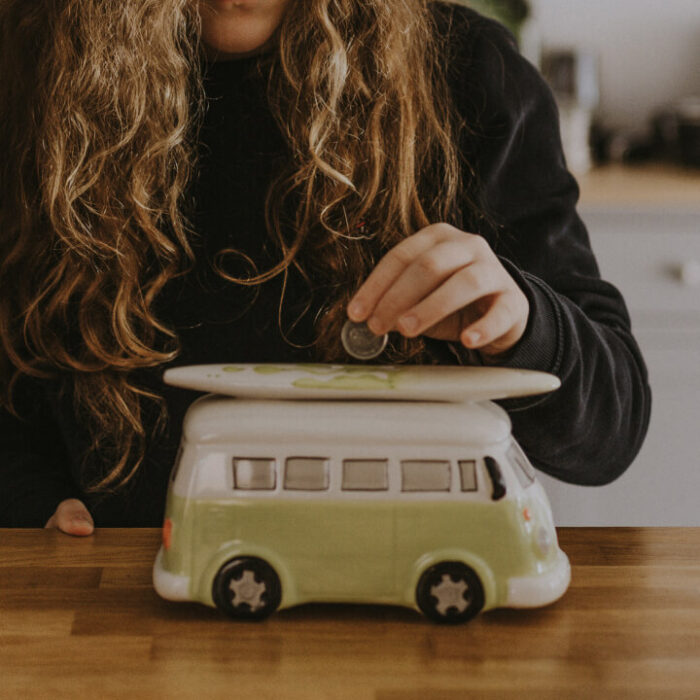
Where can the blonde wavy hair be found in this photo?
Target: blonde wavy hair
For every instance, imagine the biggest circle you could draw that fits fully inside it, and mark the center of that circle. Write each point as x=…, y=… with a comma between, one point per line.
x=101, y=105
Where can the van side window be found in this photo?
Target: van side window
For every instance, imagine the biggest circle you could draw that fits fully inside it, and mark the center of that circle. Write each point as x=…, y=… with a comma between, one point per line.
x=365, y=475
x=254, y=474
x=306, y=473
x=425, y=475
x=523, y=469
x=467, y=472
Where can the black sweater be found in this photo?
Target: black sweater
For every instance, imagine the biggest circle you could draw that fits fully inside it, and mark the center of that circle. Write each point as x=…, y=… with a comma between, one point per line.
x=587, y=432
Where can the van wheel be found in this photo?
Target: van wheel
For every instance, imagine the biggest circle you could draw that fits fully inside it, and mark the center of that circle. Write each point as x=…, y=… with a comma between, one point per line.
x=247, y=588
x=450, y=592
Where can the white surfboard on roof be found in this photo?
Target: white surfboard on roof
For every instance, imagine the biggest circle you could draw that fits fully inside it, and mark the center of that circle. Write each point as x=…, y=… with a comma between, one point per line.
x=379, y=382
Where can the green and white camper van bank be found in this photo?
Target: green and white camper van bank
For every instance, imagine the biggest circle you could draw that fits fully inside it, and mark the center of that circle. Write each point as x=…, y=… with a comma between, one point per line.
x=374, y=484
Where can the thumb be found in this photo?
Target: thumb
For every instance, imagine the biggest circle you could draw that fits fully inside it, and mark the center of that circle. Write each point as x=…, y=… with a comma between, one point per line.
x=73, y=518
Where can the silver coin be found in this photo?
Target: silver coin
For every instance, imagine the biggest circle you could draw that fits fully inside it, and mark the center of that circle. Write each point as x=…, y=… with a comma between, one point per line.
x=359, y=341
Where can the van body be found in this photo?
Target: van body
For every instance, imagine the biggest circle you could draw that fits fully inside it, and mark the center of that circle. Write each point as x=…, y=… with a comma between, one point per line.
x=426, y=504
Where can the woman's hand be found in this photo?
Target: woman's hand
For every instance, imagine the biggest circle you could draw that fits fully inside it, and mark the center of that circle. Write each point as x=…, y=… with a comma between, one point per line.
x=72, y=517
x=446, y=284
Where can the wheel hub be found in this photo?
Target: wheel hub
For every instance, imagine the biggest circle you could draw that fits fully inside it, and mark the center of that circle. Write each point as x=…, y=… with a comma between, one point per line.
x=246, y=590
x=449, y=594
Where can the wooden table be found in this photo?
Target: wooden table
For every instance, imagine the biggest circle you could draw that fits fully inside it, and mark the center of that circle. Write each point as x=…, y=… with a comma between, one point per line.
x=79, y=618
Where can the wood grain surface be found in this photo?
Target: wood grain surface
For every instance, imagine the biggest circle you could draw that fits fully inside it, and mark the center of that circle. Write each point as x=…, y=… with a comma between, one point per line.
x=79, y=618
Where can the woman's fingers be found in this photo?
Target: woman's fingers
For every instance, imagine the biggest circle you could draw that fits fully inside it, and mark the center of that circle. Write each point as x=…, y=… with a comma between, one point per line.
x=73, y=518
x=449, y=302
x=408, y=272
x=500, y=327
x=425, y=276
x=447, y=284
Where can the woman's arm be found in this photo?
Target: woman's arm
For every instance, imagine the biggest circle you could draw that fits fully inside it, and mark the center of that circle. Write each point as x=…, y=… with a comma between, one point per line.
x=590, y=430
x=531, y=286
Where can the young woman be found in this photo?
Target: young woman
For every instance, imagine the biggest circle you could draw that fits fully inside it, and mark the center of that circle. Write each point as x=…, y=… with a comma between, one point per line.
x=229, y=180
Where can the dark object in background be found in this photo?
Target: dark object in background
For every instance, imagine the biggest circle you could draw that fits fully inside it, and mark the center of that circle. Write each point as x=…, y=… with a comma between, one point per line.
x=676, y=131
x=674, y=137
x=621, y=146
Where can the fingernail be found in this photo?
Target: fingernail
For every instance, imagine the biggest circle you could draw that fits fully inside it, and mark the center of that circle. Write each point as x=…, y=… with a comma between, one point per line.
x=355, y=309
x=408, y=323
x=81, y=520
x=472, y=338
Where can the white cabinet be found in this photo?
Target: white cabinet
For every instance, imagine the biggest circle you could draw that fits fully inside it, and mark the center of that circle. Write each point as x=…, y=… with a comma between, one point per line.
x=653, y=256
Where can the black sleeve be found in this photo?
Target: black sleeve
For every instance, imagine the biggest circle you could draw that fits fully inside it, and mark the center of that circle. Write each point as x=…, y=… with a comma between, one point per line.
x=589, y=430
x=34, y=475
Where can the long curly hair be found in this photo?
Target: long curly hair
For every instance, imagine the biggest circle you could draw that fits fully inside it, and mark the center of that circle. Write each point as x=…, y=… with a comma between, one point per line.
x=101, y=105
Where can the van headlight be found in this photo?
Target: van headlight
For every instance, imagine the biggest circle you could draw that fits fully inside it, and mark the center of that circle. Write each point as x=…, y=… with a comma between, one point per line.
x=544, y=540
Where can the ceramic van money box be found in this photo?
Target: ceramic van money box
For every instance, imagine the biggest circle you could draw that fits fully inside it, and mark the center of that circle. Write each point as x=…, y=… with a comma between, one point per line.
x=356, y=483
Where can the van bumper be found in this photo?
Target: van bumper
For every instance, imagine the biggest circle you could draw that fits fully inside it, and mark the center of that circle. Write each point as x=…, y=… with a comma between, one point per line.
x=167, y=585
x=534, y=591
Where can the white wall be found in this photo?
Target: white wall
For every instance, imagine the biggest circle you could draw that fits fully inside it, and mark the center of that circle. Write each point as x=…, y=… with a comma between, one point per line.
x=649, y=49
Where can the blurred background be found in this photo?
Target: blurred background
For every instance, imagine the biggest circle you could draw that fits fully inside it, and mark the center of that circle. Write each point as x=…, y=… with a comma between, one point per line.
x=626, y=73
x=626, y=76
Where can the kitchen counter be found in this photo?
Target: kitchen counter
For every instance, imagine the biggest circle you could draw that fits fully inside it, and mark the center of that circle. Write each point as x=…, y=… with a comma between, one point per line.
x=79, y=618
x=656, y=185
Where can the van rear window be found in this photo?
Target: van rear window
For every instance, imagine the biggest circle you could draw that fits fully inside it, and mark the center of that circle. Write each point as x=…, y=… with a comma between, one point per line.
x=254, y=474
x=306, y=474
x=425, y=475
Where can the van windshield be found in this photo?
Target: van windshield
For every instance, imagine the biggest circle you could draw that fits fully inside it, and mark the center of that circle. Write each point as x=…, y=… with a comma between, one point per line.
x=521, y=466
x=177, y=462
